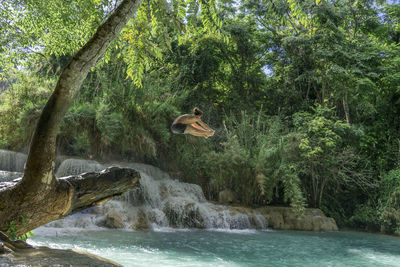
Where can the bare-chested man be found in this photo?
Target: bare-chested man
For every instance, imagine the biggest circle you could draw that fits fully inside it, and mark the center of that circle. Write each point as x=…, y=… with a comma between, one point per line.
x=192, y=124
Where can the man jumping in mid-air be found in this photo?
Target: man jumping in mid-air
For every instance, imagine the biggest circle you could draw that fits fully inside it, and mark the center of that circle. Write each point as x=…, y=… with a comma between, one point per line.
x=191, y=124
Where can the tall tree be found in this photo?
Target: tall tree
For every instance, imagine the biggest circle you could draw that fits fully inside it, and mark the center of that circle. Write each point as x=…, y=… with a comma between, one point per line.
x=38, y=27
x=39, y=196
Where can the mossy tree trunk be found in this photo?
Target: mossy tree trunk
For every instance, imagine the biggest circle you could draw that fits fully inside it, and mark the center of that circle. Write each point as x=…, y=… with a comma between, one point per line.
x=40, y=197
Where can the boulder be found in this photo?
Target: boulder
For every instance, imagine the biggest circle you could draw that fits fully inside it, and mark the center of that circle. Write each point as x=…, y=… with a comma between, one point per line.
x=115, y=219
x=183, y=214
x=43, y=256
x=257, y=221
x=283, y=218
x=140, y=222
x=226, y=197
x=19, y=253
x=4, y=249
x=324, y=224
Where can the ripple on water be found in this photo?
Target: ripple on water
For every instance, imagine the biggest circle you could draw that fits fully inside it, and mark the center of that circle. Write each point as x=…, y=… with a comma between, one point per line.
x=169, y=247
x=383, y=258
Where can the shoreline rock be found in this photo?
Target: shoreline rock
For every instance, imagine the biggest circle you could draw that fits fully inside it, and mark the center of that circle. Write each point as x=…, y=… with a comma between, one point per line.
x=283, y=218
x=44, y=256
x=275, y=217
x=19, y=253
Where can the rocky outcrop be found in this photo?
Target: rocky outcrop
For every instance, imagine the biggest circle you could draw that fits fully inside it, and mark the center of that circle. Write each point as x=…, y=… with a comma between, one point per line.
x=115, y=219
x=184, y=214
x=283, y=218
x=139, y=222
x=19, y=253
x=43, y=256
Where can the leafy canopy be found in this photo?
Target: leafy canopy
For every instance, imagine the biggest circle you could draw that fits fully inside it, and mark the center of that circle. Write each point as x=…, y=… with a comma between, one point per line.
x=32, y=29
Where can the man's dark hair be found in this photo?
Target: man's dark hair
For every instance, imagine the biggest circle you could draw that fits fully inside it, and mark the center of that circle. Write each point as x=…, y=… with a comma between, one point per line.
x=197, y=111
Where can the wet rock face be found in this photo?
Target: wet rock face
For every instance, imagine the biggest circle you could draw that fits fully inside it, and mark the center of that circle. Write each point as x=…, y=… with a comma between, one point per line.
x=77, y=166
x=115, y=219
x=4, y=249
x=163, y=202
x=19, y=253
x=283, y=218
x=42, y=256
x=185, y=214
x=140, y=222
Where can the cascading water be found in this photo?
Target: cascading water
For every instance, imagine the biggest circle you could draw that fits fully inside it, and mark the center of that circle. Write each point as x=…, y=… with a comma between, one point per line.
x=159, y=202
x=77, y=166
x=6, y=176
x=12, y=161
x=168, y=202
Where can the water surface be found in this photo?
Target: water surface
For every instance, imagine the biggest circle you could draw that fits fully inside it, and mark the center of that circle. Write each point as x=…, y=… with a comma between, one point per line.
x=228, y=248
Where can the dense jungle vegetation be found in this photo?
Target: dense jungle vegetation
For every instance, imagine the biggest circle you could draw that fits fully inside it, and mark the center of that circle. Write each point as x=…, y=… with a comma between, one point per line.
x=304, y=97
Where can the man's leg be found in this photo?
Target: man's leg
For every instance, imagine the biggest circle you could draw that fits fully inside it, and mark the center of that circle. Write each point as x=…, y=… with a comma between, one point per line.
x=197, y=131
x=198, y=126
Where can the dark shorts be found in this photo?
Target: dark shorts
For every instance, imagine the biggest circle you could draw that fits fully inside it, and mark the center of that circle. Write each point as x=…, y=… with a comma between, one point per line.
x=178, y=128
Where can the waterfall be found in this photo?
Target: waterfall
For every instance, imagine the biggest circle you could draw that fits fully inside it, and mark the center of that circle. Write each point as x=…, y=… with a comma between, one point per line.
x=160, y=201
x=77, y=166
x=12, y=161
x=6, y=176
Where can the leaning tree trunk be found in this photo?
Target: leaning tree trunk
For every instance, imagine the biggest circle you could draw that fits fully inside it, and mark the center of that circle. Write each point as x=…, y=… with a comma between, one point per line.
x=40, y=197
x=346, y=109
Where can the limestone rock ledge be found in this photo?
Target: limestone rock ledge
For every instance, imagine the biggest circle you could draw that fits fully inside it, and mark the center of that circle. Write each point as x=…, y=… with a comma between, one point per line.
x=283, y=218
x=44, y=256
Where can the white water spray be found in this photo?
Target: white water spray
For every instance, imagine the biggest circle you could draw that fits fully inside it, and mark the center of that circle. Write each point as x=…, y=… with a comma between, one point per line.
x=6, y=176
x=12, y=161
x=78, y=166
x=159, y=202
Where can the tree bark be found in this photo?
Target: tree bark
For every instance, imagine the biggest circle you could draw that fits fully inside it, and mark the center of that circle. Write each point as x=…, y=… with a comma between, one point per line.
x=324, y=88
x=346, y=110
x=71, y=194
x=39, y=196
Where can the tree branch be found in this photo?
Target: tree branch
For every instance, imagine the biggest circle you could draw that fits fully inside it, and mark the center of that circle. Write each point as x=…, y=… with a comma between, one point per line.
x=39, y=171
x=72, y=194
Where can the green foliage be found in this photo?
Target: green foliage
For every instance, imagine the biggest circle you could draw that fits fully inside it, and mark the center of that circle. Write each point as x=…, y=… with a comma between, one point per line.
x=281, y=166
x=61, y=28
x=365, y=217
x=12, y=228
x=389, y=202
x=304, y=96
x=214, y=73
x=20, y=107
x=110, y=125
x=325, y=159
x=253, y=162
x=383, y=214
x=25, y=236
x=78, y=133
